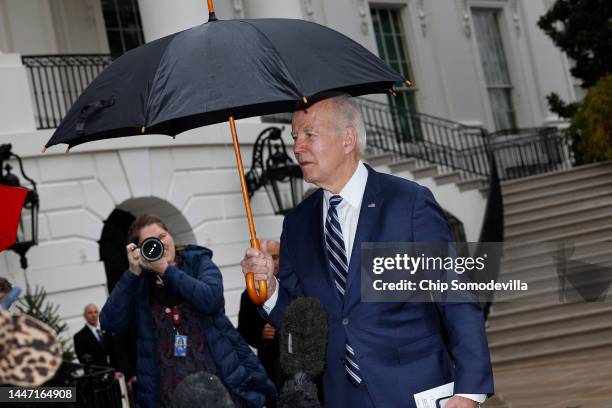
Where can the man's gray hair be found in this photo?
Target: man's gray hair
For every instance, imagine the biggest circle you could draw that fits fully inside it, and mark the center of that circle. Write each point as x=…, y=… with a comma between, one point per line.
x=350, y=115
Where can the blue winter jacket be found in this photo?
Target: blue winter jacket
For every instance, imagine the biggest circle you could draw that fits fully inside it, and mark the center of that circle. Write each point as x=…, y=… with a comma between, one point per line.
x=200, y=284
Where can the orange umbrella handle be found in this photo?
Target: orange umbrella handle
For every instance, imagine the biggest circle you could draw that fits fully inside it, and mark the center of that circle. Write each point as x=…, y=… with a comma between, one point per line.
x=257, y=298
x=261, y=297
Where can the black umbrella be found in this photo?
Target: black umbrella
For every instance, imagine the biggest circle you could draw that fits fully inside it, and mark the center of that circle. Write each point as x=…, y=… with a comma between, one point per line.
x=221, y=71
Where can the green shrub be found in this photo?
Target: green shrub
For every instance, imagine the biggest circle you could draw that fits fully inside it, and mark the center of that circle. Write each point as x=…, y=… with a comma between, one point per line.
x=590, y=132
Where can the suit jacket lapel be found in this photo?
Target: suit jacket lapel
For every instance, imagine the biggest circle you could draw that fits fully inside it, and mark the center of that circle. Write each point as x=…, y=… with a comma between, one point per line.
x=370, y=216
x=92, y=338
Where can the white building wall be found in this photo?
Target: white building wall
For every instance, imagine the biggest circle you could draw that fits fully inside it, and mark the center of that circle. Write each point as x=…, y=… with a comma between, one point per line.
x=52, y=26
x=27, y=27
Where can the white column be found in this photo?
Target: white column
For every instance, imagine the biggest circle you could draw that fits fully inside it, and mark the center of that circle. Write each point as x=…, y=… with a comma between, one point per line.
x=16, y=112
x=273, y=9
x=164, y=17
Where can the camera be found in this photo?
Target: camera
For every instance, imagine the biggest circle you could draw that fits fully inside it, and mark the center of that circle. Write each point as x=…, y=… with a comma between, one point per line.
x=152, y=249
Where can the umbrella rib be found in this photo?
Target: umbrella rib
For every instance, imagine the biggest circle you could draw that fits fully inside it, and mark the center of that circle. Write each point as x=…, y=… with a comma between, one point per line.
x=149, y=91
x=293, y=79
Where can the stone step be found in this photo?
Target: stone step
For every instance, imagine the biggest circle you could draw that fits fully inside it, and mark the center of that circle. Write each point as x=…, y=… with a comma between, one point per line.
x=543, y=210
x=517, y=250
x=573, y=379
x=556, y=186
x=553, y=343
x=592, y=288
x=471, y=184
x=559, y=214
x=543, y=182
x=380, y=159
x=560, y=396
x=521, y=328
x=403, y=165
x=600, y=233
x=549, y=229
x=447, y=178
x=540, y=266
x=424, y=172
x=507, y=314
x=536, y=199
x=548, y=382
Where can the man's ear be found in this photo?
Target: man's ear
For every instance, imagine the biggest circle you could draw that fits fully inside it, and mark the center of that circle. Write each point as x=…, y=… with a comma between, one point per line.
x=349, y=139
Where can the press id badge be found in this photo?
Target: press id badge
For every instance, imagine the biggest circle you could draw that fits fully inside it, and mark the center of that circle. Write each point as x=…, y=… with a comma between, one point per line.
x=180, y=345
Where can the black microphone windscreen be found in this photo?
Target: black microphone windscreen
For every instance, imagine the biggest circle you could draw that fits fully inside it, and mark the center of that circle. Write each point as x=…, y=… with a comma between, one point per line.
x=202, y=390
x=304, y=337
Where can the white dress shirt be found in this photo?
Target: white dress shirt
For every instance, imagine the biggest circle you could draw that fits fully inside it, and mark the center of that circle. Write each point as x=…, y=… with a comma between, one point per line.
x=348, y=215
x=94, y=331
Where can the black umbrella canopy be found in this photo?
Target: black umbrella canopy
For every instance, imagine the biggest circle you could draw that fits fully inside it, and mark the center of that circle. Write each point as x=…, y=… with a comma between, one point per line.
x=222, y=68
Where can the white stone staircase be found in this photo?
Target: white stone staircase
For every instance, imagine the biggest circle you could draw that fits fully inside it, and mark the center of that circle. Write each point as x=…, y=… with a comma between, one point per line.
x=462, y=195
x=552, y=354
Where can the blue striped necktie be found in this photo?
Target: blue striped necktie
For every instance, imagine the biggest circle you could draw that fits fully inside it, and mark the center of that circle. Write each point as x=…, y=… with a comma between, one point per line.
x=336, y=252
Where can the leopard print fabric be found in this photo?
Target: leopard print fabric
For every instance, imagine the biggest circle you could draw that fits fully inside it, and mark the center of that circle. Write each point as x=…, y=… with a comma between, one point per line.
x=29, y=351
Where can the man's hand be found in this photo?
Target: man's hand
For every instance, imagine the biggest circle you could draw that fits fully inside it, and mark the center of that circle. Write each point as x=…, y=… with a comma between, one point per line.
x=460, y=402
x=133, y=256
x=268, y=332
x=261, y=264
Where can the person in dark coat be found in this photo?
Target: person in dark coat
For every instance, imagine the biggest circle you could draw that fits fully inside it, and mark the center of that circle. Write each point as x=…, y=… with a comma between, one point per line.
x=178, y=305
x=93, y=346
x=259, y=333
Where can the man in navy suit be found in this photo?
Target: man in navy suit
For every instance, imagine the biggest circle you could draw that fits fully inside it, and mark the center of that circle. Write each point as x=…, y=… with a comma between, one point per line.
x=378, y=354
x=92, y=345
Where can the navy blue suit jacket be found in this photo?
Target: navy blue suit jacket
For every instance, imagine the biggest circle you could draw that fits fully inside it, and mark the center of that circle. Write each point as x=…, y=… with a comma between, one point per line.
x=399, y=346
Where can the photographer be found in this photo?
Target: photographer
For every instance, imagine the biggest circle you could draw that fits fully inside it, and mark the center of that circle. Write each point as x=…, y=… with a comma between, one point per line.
x=177, y=301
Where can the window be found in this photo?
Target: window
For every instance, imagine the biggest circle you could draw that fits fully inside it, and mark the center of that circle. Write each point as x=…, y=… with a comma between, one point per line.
x=495, y=67
x=123, y=25
x=392, y=49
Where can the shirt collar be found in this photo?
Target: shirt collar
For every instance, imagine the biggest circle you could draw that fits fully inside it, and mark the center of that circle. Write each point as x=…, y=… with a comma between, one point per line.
x=353, y=190
x=92, y=327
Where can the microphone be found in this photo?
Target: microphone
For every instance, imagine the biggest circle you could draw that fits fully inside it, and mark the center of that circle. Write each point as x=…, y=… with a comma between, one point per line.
x=201, y=389
x=302, y=353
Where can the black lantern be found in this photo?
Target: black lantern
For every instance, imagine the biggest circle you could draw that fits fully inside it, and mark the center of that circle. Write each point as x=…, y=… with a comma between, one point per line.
x=277, y=172
x=27, y=233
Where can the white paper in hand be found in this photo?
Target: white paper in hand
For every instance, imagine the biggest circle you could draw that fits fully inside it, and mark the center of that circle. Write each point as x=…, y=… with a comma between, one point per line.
x=434, y=397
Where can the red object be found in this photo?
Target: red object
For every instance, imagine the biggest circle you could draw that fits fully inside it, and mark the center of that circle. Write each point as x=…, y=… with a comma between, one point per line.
x=175, y=313
x=176, y=316
x=11, y=203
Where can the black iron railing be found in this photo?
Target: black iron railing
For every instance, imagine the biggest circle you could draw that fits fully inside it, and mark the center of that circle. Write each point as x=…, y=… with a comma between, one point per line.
x=96, y=387
x=435, y=140
x=530, y=151
x=56, y=81
x=518, y=152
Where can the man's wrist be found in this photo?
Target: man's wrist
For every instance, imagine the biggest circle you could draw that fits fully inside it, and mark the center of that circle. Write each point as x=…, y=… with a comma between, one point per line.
x=135, y=273
x=272, y=299
x=478, y=398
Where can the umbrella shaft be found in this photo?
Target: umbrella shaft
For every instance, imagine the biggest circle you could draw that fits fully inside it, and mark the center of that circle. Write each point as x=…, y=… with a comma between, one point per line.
x=243, y=185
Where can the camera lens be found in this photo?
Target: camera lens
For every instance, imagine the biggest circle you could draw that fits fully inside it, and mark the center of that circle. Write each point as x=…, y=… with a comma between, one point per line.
x=152, y=249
